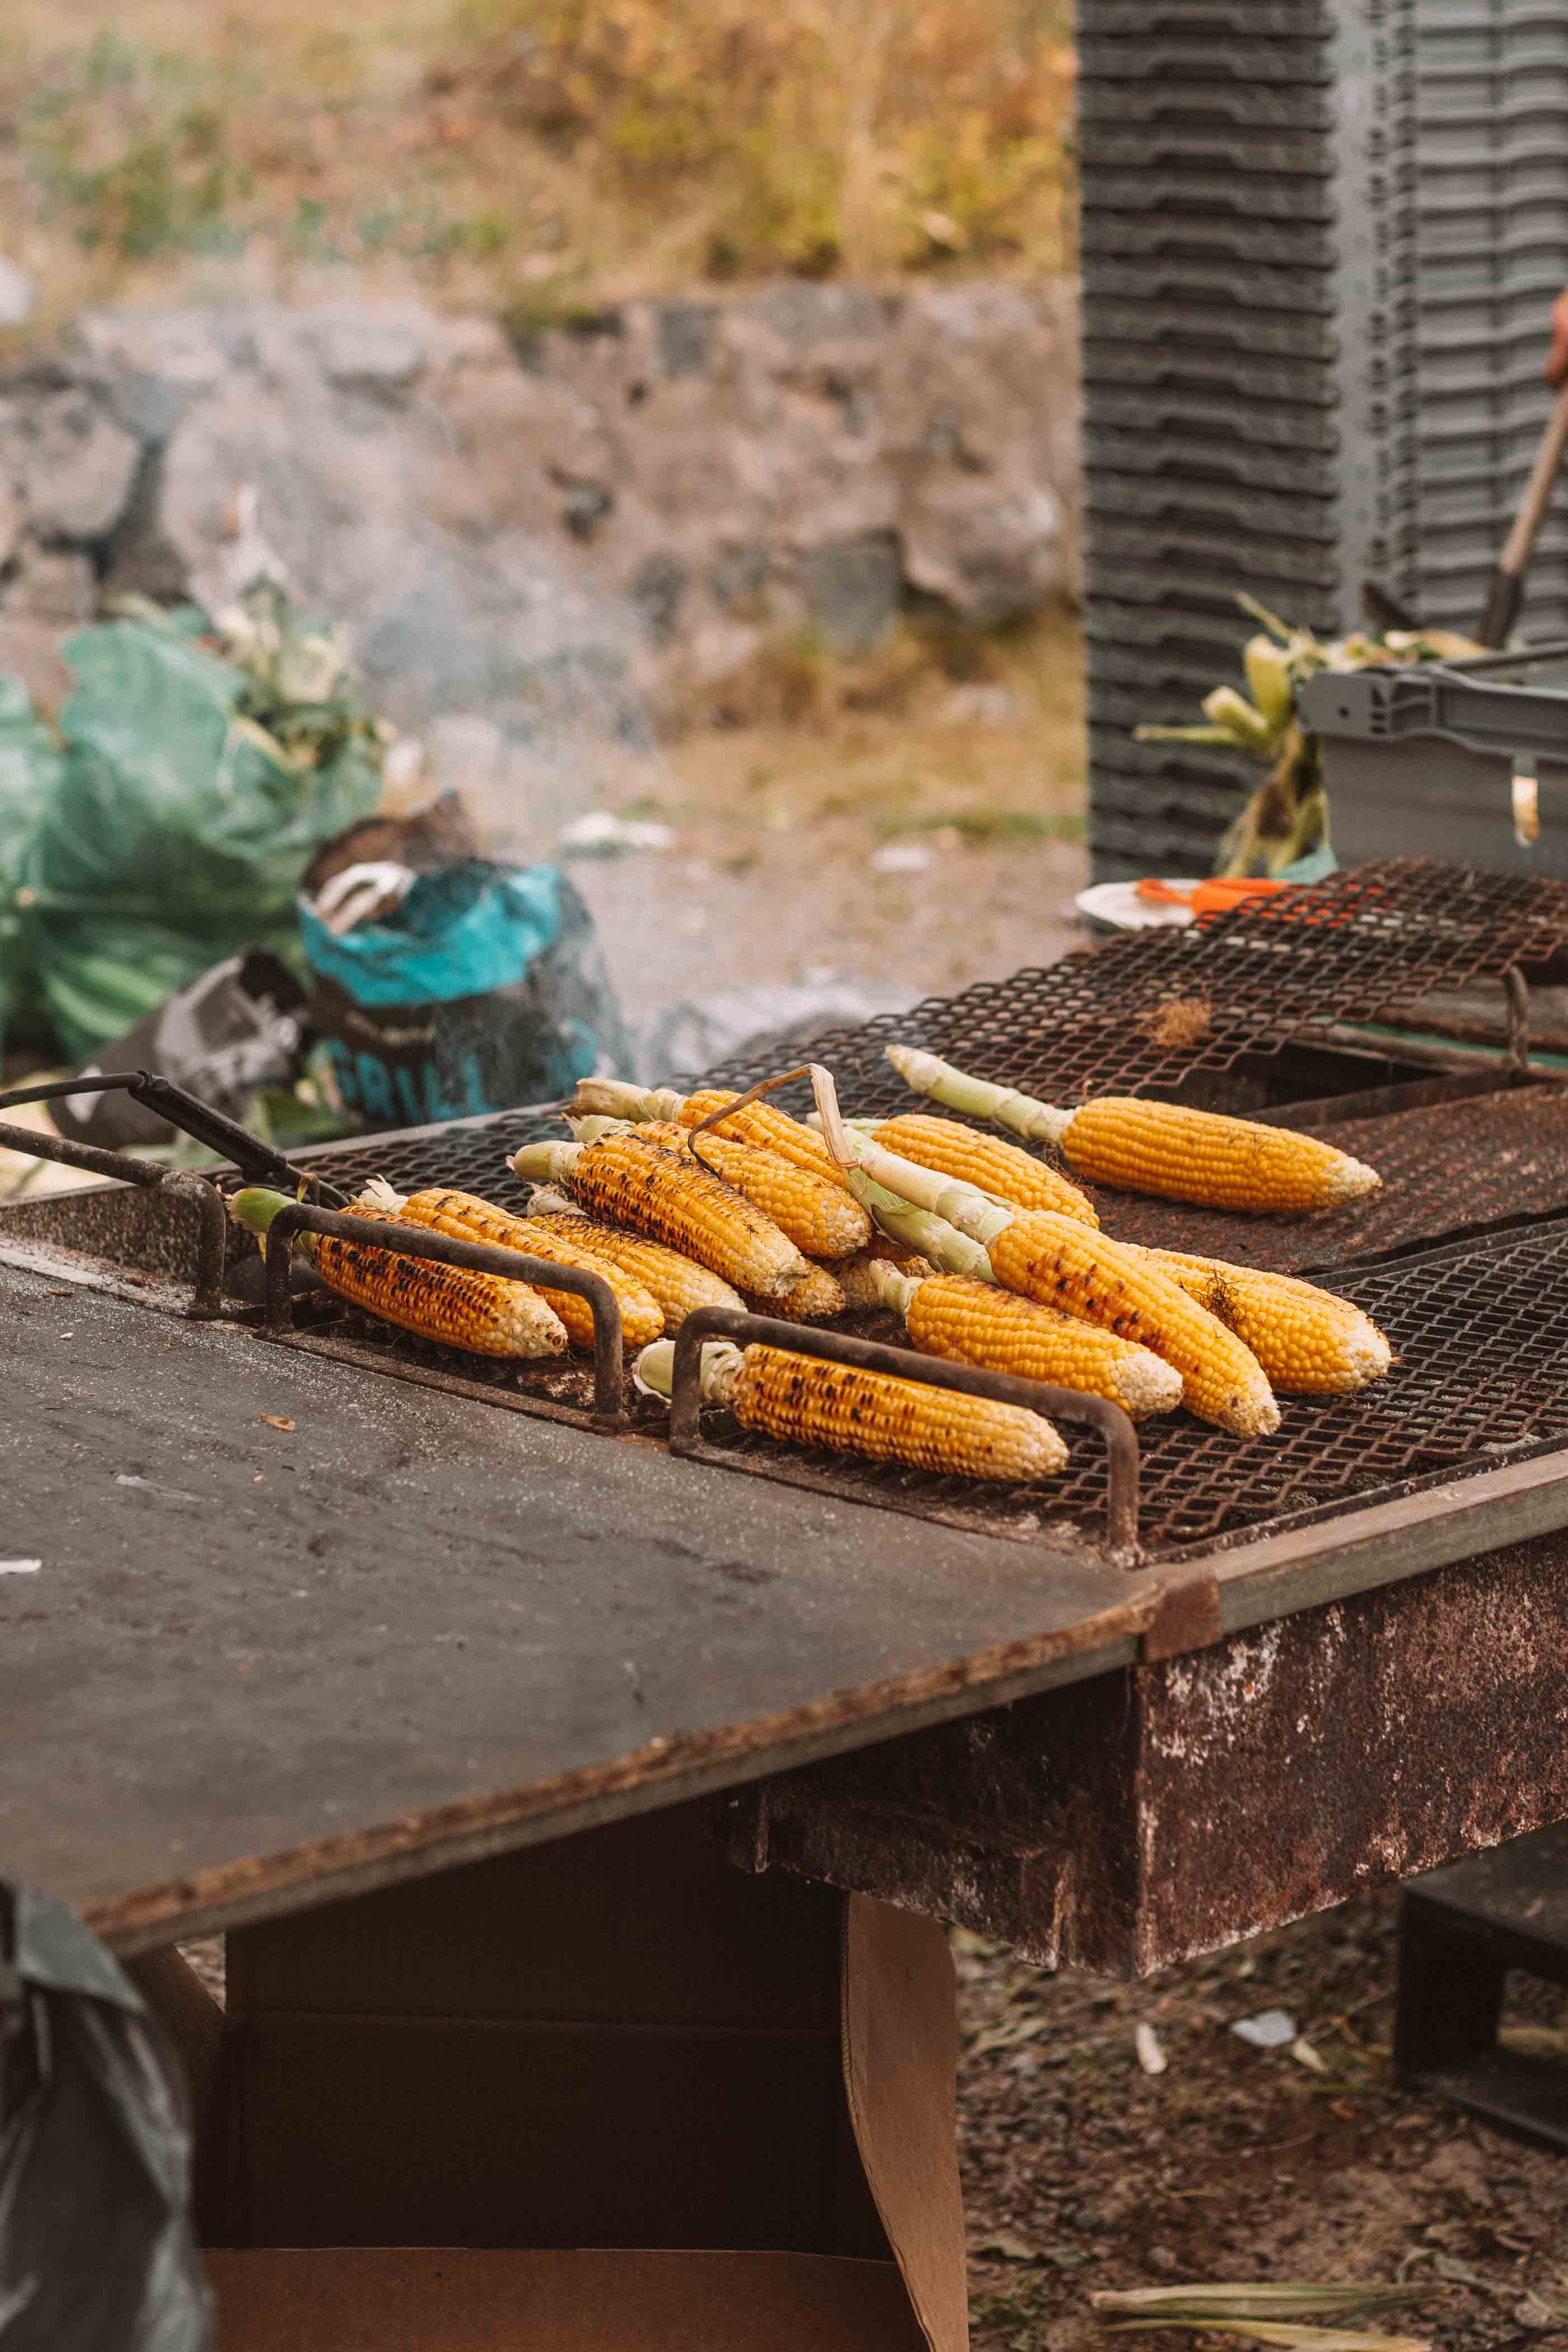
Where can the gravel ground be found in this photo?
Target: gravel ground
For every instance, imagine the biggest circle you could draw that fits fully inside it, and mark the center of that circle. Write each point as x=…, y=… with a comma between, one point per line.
x=1082, y=2171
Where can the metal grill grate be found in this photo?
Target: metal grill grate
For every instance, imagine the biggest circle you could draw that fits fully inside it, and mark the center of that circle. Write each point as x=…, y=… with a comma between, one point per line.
x=1483, y=1332
x=471, y=1156
x=1482, y=1326
x=1447, y=1168
x=1157, y=1012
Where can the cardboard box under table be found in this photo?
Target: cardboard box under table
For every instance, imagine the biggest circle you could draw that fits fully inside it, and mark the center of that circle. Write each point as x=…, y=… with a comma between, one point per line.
x=611, y=2092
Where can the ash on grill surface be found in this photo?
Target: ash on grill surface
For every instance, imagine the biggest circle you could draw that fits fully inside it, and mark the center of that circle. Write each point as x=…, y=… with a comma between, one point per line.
x=1445, y=1168
x=1157, y=1010
x=1481, y=1332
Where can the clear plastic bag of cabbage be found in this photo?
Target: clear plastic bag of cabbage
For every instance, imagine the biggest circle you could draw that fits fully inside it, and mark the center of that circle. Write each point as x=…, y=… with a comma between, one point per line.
x=201, y=768
x=29, y=769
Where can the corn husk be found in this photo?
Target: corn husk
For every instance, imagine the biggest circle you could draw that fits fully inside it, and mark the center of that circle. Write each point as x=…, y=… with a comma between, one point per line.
x=1265, y=2312
x=1286, y=818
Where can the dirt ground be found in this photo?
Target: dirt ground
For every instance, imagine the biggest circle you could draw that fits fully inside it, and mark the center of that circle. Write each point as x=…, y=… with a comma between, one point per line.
x=1082, y=2171
x=908, y=830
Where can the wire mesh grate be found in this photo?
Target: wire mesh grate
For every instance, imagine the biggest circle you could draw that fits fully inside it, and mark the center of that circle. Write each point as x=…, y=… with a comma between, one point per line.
x=1481, y=1335
x=1482, y=1328
x=1155, y=1011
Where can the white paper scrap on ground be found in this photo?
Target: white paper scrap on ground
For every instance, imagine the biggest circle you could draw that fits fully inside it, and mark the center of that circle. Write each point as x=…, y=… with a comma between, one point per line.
x=1151, y=2057
x=1269, y=2029
x=20, y=1567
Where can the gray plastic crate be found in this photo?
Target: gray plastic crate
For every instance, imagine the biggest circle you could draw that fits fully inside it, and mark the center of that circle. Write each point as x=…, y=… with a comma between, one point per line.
x=1320, y=244
x=1422, y=761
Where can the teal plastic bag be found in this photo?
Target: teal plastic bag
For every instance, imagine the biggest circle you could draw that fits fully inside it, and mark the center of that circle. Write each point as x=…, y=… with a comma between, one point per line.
x=175, y=832
x=484, y=988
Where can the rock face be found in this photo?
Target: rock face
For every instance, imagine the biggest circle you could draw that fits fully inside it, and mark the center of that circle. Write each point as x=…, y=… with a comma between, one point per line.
x=629, y=505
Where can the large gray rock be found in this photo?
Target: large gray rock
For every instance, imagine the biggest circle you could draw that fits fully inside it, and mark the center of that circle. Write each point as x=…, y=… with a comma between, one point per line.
x=148, y=366
x=72, y=464
x=551, y=532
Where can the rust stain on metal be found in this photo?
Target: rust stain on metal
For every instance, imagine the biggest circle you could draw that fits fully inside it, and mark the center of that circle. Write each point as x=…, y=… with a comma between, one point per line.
x=1350, y=1746
x=1143, y=1818
x=1188, y=1617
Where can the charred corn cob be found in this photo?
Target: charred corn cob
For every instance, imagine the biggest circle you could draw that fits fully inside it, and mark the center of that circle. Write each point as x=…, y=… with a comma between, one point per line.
x=1063, y=1263
x=821, y=1218
x=816, y=1300
x=974, y=1323
x=1310, y=1342
x=1164, y=1148
x=1012, y=1174
x=483, y=1313
x=467, y=1218
x=760, y=1123
x=678, y=1284
x=838, y=1406
x=665, y=1196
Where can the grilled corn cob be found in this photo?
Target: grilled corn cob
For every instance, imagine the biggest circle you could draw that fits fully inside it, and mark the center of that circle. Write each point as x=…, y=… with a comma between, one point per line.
x=483, y=1313
x=1061, y=1263
x=1309, y=1341
x=1199, y=1155
x=1164, y=1148
x=816, y=1300
x=1012, y=1174
x=810, y=1402
x=975, y=1323
x=821, y=1218
x=665, y=1196
x=1065, y=1263
x=678, y=1284
x=760, y=1123
x=467, y=1218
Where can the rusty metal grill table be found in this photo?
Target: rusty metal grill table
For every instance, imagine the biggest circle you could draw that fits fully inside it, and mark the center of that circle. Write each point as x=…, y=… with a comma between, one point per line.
x=260, y=1670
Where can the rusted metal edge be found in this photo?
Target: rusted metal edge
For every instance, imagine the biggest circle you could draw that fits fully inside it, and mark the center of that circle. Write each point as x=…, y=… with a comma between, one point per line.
x=1384, y=1542
x=205, y=1304
x=665, y=1771
x=1201, y=1601
x=1188, y=1617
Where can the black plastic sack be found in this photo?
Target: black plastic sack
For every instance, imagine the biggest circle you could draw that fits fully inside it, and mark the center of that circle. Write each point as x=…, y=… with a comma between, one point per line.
x=97, y=2252
x=230, y=1035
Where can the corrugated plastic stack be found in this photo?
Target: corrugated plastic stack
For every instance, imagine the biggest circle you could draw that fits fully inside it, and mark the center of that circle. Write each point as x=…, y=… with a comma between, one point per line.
x=1491, y=145
x=1320, y=240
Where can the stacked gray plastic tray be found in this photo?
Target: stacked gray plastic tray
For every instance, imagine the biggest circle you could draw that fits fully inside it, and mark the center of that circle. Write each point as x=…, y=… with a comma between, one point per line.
x=1319, y=242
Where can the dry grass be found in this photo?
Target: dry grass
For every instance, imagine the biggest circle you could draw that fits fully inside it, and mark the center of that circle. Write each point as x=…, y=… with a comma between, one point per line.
x=532, y=155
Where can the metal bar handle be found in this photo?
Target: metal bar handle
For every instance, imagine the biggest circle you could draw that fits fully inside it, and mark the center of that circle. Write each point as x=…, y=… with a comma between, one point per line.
x=480, y=1258
x=212, y=1228
x=259, y=1161
x=931, y=1371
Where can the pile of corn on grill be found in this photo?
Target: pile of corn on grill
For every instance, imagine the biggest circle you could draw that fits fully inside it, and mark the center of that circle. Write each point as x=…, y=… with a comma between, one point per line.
x=971, y=1230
